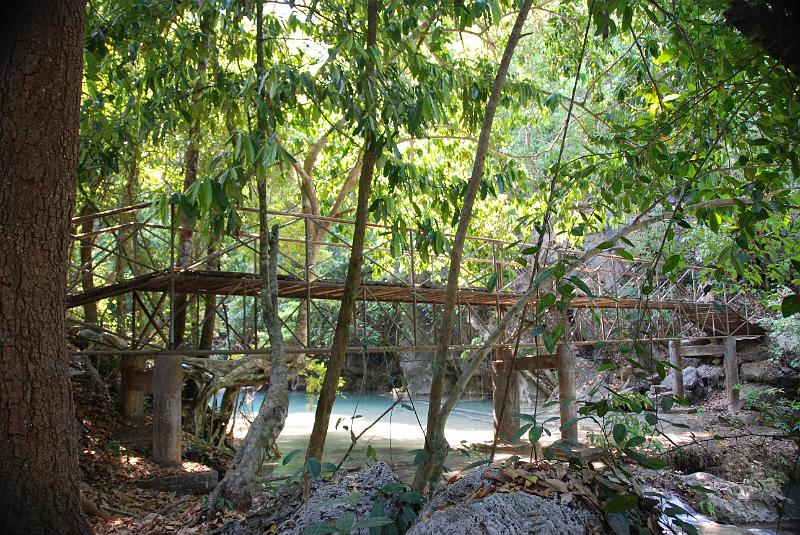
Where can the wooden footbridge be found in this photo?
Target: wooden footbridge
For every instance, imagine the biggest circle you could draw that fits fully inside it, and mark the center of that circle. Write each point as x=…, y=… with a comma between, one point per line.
x=133, y=273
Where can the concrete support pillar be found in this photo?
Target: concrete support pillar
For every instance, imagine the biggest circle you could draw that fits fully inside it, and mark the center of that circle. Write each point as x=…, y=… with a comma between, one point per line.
x=131, y=395
x=677, y=371
x=731, y=375
x=566, y=393
x=505, y=386
x=167, y=384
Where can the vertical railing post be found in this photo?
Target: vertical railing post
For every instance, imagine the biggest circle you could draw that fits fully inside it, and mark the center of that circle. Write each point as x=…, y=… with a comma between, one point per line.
x=566, y=394
x=677, y=370
x=731, y=375
x=307, y=341
x=413, y=286
x=505, y=393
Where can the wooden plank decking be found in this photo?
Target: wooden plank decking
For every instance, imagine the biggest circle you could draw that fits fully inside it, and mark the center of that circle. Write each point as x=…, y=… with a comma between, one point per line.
x=705, y=315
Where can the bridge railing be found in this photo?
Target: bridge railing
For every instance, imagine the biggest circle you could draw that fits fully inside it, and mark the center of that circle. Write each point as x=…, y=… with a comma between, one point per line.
x=137, y=241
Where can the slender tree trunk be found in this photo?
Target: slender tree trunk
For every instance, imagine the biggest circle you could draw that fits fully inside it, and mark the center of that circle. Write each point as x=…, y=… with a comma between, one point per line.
x=192, y=160
x=191, y=163
x=436, y=445
x=327, y=395
x=318, y=229
x=41, y=47
x=227, y=404
x=87, y=267
x=209, y=312
x=236, y=485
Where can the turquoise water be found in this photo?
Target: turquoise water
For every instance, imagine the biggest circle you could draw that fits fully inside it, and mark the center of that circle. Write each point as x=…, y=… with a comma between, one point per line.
x=393, y=438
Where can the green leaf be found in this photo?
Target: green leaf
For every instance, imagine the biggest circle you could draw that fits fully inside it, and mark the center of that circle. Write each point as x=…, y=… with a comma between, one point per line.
x=289, y=456
x=372, y=455
x=549, y=342
x=321, y=528
x=314, y=467
x=373, y=522
x=790, y=305
x=635, y=441
x=490, y=285
x=577, y=281
x=393, y=487
x=619, y=432
x=651, y=418
x=621, y=502
x=345, y=523
x=546, y=301
x=625, y=254
x=535, y=434
x=671, y=263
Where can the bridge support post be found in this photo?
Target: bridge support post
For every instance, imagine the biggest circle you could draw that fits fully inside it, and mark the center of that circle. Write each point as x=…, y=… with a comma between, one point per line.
x=677, y=372
x=505, y=387
x=131, y=394
x=167, y=384
x=566, y=393
x=731, y=375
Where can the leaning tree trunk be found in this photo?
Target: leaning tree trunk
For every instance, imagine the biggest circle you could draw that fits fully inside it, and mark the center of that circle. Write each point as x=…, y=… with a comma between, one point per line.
x=435, y=444
x=327, y=394
x=236, y=486
x=41, y=46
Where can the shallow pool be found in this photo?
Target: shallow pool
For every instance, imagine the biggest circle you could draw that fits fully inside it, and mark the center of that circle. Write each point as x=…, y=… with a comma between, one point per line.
x=393, y=438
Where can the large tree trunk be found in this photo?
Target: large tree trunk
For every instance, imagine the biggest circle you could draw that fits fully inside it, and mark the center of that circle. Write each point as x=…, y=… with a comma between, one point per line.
x=436, y=445
x=41, y=47
x=339, y=347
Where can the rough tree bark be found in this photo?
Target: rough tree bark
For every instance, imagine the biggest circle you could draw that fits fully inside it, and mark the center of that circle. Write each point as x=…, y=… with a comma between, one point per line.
x=41, y=47
x=327, y=394
x=436, y=445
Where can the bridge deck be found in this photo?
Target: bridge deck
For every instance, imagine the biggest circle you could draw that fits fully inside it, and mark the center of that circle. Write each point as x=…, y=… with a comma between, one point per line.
x=240, y=283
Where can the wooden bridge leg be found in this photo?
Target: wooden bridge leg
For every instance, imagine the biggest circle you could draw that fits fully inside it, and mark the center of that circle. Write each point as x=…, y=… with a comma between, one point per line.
x=731, y=374
x=131, y=393
x=566, y=393
x=677, y=371
x=502, y=375
x=167, y=384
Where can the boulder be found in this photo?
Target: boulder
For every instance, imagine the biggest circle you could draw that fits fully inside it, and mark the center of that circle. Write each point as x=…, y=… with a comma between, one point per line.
x=767, y=372
x=454, y=510
x=697, y=381
x=691, y=382
x=751, y=353
x=285, y=512
x=712, y=376
x=733, y=503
